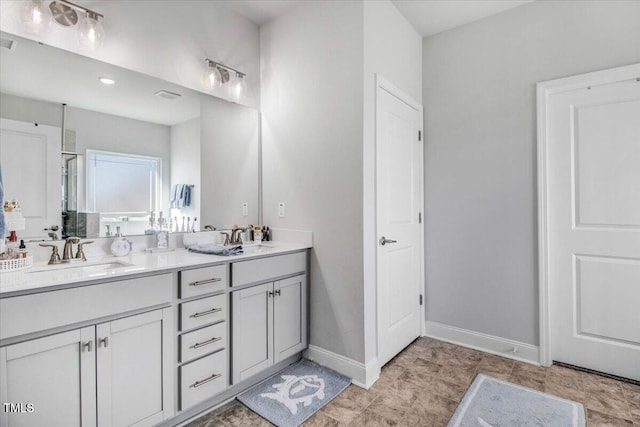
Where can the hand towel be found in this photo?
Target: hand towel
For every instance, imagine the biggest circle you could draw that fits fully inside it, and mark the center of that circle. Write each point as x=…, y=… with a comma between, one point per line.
x=213, y=249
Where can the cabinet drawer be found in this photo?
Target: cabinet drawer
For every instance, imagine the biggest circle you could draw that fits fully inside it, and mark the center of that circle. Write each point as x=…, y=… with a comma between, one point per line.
x=263, y=269
x=203, y=379
x=203, y=280
x=203, y=341
x=37, y=312
x=203, y=311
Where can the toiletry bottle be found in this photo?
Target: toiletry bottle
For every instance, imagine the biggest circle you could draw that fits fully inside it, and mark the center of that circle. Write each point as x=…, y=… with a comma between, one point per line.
x=264, y=233
x=22, y=249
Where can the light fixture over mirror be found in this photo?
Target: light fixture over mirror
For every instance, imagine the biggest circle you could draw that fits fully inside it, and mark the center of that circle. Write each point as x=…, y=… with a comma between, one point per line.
x=90, y=31
x=218, y=74
x=237, y=87
x=37, y=18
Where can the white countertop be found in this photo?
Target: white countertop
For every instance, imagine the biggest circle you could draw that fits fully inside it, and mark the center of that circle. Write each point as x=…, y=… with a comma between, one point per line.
x=42, y=277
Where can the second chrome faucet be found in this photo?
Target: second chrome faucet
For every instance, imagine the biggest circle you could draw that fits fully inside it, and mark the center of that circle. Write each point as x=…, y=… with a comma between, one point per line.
x=67, y=251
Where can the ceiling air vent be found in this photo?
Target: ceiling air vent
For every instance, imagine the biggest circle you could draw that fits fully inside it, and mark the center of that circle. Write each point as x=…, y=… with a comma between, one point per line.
x=8, y=43
x=167, y=94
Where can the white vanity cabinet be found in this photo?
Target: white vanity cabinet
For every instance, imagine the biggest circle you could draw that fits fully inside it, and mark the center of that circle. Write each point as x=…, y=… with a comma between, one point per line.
x=269, y=320
x=203, y=331
x=121, y=360
x=55, y=375
x=108, y=373
x=130, y=371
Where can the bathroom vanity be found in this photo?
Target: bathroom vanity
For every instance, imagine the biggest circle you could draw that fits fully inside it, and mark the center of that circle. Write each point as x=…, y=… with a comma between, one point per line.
x=147, y=339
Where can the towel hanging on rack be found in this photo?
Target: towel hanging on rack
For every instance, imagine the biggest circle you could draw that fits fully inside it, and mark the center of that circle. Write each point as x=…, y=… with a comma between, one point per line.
x=181, y=196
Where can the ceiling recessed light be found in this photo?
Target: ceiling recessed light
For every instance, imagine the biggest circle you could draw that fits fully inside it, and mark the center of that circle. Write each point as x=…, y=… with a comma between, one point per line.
x=106, y=81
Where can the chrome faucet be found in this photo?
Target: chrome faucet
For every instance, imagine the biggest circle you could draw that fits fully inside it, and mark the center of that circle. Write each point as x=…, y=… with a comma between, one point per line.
x=80, y=252
x=55, y=256
x=235, y=235
x=67, y=252
x=52, y=232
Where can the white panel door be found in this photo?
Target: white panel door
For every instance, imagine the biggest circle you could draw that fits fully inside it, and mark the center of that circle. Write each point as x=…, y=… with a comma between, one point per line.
x=252, y=331
x=289, y=317
x=594, y=226
x=31, y=167
x=399, y=202
x=130, y=371
x=56, y=375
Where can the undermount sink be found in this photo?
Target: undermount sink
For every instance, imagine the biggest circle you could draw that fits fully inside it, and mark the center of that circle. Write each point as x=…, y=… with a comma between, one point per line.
x=256, y=249
x=88, y=267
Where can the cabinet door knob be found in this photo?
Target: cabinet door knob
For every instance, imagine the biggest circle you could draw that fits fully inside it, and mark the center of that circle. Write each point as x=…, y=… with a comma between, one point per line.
x=269, y=294
x=103, y=341
x=277, y=292
x=88, y=345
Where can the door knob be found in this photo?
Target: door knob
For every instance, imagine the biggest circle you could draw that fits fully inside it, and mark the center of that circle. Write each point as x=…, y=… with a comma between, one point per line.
x=384, y=241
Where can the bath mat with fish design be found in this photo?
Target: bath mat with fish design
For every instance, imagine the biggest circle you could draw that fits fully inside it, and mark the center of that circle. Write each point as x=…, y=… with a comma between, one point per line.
x=291, y=396
x=490, y=402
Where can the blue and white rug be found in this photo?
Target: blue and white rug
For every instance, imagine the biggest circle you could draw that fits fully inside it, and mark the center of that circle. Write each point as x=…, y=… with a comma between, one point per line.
x=291, y=396
x=490, y=403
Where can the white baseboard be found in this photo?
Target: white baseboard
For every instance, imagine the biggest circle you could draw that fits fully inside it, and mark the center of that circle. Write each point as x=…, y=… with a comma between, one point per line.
x=484, y=342
x=362, y=375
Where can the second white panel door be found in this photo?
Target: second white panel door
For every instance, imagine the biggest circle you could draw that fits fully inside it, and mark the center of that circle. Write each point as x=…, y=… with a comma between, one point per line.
x=594, y=226
x=399, y=230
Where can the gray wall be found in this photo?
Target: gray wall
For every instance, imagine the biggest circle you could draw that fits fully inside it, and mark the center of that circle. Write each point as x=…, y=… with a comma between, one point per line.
x=30, y=110
x=228, y=163
x=480, y=124
x=185, y=166
x=312, y=64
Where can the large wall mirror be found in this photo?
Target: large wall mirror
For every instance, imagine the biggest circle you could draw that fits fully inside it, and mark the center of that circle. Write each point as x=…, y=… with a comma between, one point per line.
x=90, y=147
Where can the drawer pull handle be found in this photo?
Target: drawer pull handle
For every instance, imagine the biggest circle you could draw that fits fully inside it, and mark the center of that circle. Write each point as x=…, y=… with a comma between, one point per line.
x=206, y=313
x=206, y=380
x=204, y=282
x=207, y=342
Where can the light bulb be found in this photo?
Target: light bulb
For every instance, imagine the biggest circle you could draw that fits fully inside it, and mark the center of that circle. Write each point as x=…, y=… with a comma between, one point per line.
x=237, y=87
x=90, y=31
x=212, y=78
x=36, y=17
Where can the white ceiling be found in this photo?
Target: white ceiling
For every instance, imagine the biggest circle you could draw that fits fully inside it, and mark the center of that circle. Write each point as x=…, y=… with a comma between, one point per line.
x=261, y=11
x=429, y=17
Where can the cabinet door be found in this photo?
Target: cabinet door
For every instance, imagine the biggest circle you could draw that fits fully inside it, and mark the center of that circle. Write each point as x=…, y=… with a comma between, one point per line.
x=290, y=317
x=131, y=375
x=56, y=375
x=252, y=324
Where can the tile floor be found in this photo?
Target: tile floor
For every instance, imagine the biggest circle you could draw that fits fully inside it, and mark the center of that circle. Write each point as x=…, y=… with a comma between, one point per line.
x=423, y=385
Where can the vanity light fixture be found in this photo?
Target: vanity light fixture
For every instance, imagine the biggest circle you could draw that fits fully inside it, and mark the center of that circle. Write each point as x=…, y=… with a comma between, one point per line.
x=218, y=74
x=37, y=19
x=237, y=87
x=90, y=31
